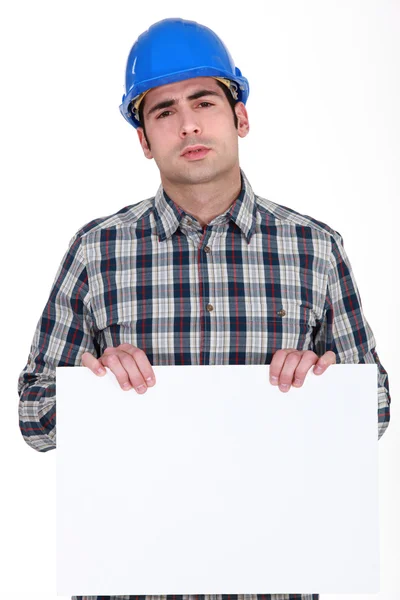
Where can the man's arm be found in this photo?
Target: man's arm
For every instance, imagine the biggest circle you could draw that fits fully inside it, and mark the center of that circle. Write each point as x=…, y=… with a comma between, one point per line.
x=344, y=329
x=64, y=332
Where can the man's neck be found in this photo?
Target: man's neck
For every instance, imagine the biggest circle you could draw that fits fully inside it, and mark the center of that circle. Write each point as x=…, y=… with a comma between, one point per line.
x=205, y=201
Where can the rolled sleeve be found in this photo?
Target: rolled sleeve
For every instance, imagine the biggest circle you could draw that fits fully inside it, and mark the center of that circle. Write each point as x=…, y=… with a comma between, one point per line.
x=344, y=330
x=63, y=333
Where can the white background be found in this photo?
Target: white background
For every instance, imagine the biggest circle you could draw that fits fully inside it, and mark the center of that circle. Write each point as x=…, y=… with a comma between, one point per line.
x=324, y=140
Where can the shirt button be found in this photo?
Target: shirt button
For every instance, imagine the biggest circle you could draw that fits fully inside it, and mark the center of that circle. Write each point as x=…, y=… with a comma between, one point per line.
x=207, y=249
x=281, y=313
x=209, y=307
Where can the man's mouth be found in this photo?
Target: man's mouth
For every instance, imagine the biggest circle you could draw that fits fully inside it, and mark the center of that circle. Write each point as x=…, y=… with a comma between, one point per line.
x=196, y=154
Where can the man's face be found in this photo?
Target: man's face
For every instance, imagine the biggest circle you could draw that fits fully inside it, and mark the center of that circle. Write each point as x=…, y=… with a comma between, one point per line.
x=207, y=120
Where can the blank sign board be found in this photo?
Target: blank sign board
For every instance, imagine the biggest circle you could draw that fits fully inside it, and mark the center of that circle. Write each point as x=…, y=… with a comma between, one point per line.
x=216, y=482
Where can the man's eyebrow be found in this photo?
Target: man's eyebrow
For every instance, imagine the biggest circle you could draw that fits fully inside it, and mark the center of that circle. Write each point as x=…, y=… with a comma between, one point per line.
x=166, y=103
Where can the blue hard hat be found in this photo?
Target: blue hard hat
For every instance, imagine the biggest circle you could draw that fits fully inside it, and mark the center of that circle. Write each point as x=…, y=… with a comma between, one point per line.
x=174, y=50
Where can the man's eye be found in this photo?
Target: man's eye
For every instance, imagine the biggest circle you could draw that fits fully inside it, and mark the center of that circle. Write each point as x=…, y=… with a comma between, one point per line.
x=168, y=111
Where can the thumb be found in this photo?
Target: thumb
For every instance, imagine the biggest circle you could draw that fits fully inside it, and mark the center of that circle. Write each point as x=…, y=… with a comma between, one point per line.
x=327, y=359
x=93, y=363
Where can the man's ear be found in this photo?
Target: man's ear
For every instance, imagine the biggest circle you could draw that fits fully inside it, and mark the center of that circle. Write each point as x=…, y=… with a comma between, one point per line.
x=243, y=119
x=143, y=143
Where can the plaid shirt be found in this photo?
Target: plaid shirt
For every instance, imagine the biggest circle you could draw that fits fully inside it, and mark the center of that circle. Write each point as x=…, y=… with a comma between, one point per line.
x=258, y=278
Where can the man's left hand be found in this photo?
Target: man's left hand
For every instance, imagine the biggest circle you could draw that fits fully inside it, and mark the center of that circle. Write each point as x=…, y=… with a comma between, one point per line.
x=290, y=366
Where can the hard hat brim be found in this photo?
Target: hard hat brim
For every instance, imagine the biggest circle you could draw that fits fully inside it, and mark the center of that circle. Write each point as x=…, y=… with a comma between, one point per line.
x=243, y=87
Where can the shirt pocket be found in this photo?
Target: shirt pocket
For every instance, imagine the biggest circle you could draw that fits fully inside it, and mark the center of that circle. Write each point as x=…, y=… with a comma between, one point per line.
x=291, y=326
x=286, y=325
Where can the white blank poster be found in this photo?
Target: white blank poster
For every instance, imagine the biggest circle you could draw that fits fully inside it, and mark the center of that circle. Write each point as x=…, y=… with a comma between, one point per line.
x=216, y=482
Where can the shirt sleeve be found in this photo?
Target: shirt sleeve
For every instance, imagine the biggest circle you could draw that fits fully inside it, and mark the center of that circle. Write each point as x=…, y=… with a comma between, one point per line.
x=63, y=333
x=344, y=329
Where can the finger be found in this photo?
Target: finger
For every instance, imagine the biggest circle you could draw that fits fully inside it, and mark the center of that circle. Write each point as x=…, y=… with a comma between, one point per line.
x=289, y=366
x=112, y=359
x=276, y=365
x=93, y=363
x=327, y=359
x=135, y=375
x=308, y=359
x=142, y=363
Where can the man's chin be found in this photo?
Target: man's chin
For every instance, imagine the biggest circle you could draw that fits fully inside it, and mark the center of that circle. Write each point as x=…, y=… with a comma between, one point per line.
x=198, y=171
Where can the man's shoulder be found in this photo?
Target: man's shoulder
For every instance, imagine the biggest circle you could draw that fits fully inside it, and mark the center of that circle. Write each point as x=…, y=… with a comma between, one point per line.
x=288, y=214
x=125, y=217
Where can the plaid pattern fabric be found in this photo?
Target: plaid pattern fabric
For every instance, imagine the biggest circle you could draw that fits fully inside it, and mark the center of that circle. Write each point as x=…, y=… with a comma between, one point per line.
x=259, y=277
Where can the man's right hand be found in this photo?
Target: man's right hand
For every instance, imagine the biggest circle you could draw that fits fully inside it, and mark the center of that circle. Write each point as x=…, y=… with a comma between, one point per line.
x=129, y=364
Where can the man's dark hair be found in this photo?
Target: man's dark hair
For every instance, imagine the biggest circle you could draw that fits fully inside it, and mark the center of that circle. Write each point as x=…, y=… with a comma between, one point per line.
x=223, y=87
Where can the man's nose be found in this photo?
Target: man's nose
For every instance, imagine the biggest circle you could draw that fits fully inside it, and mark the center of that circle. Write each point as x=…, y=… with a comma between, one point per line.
x=189, y=122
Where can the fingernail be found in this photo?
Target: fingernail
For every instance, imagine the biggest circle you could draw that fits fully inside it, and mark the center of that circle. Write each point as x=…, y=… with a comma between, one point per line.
x=140, y=388
x=318, y=370
x=127, y=386
x=274, y=379
x=101, y=371
x=298, y=381
x=284, y=386
x=149, y=379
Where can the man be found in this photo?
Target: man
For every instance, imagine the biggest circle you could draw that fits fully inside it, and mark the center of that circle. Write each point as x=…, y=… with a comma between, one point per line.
x=205, y=272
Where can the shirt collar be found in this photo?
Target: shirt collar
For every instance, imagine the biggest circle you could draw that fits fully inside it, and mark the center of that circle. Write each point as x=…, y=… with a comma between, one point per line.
x=243, y=212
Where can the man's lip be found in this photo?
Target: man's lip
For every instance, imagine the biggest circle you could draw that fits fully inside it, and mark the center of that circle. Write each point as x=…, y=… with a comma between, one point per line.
x=191, y=148
x=195, y=156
